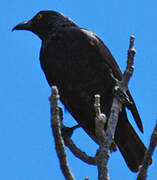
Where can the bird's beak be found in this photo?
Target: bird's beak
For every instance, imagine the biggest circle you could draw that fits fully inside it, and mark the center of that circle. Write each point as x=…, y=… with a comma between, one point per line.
x=23, y=26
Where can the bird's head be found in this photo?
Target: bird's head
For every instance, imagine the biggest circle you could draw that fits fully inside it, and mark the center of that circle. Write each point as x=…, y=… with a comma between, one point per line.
x=44, y=23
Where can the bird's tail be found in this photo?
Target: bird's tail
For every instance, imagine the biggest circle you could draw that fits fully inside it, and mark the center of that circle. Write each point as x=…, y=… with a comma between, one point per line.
x=129, y=143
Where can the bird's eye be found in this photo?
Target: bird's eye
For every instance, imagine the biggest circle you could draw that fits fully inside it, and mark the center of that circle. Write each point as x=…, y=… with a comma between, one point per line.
x=39, y=16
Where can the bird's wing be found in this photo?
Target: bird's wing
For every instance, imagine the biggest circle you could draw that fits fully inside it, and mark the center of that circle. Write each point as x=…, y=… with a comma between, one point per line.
x=88, y=60
x=104, y=51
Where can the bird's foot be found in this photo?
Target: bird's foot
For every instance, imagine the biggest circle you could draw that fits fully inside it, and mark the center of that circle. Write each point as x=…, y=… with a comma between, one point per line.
x=68, y=132
x=122, y=96
x=113, y=147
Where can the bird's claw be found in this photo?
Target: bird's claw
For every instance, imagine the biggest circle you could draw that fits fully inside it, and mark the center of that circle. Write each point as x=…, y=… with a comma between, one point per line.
x=122, y=96
x=66, y=132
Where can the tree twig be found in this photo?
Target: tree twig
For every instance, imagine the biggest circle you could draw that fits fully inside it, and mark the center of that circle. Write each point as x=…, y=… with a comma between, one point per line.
x=56, y=130
x=103, y=152
x=122, y=86
x=147, y=158
x=80, y=154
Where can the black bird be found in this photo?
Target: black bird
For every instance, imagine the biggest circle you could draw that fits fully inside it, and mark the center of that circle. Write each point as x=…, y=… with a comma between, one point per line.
x=80, y=65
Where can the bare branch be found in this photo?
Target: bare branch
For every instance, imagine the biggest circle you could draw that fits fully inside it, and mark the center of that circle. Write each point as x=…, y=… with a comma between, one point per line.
x=147, y=159
x=100, y=120
x=103, y=152
x=122, y=86
x=80, y=154
x=56, y=130
x=86, y=178
x=106, y=137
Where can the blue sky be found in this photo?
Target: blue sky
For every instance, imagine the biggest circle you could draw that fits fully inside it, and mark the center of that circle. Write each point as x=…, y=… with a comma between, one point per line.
x=26, y=143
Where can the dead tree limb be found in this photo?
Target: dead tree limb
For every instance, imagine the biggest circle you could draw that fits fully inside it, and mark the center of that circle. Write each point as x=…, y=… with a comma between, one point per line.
x=56, y=130
x=106, y=137
x=80, y=154
x=147, y=159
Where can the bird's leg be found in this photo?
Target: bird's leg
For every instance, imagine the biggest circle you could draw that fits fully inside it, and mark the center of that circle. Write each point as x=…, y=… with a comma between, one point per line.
x=113, y=147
